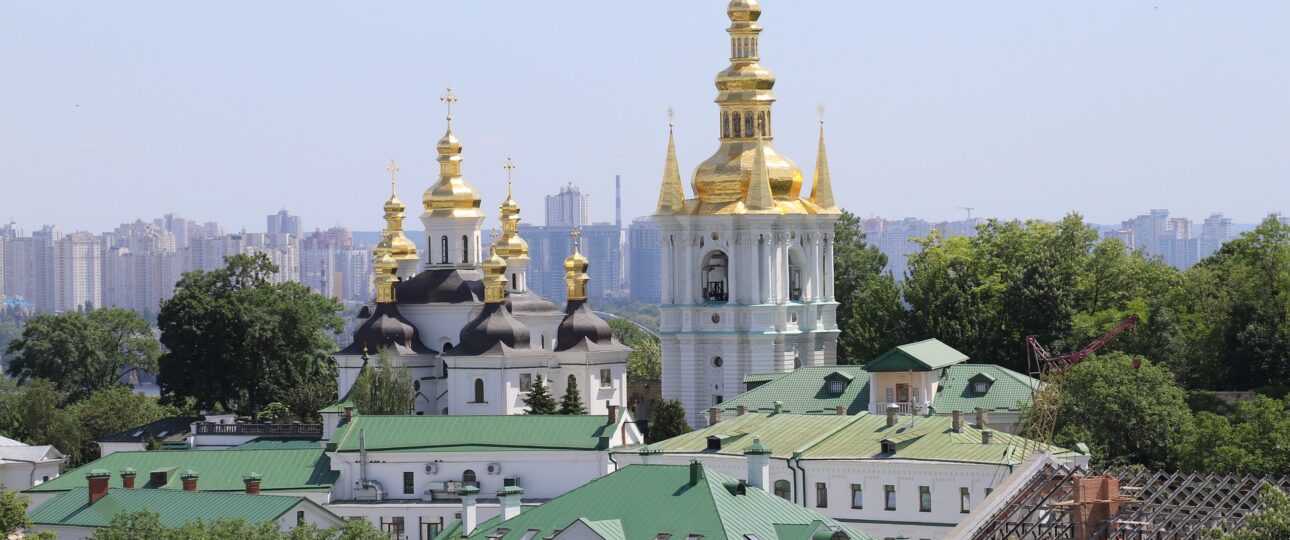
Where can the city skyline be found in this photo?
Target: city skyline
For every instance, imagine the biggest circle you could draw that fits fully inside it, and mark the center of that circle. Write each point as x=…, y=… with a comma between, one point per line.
x=1055, y=109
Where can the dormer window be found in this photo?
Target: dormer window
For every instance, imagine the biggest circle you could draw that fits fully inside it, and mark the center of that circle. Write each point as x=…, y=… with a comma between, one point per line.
x=980, y=387
x=836, y=383
x=837, y=387
x=714, y=443
x=888, y=447
x=980, y=383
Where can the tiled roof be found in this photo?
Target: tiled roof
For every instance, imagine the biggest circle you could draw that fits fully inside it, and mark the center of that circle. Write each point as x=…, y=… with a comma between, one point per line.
x=174, y=507
x=218, y=470
x=851, y=437
x=475, y=433
x=923, y=355
x=805, y=391
x=640, y=502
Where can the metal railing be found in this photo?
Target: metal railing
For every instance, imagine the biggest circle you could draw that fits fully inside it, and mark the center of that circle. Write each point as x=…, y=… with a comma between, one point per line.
x=902, y=407
x=261, y=430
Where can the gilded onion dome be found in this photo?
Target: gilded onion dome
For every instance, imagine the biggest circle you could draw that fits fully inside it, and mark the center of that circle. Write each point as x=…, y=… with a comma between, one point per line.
x=451, y=196
x=401, y=248
x=575, y=271
x=511, y=244
x=384, y=268
x=494, y=277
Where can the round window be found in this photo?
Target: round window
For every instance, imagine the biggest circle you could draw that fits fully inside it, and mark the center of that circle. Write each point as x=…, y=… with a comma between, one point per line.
x=716, y=318
x=416, y=386
x=717, y=361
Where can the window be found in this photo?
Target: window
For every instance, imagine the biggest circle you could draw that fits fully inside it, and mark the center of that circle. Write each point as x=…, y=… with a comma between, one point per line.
x=734, y=122
x=902, y=392
x=821, y=495
x=924, y=499
x=662, y=536
x=717, y=361
x=468, y=477
x=693, y=537
x=718, y=399
x=888, y=447
x=981, y=387
x=761, y=124
x=443, y=249
x=479, y=391
x=606, y=378
x=515, y=281
x=748, y=125
x=465, y=249
x=393, y=526
x=526, y=382
x=891, y=395
x=857, y=496
x=530, y=534
x=431, y=527
x=836, y=387
x=988, y=491
x=409, y=482
x=889, y=497
x=965, y=500
x=783, y=489
x=300, y=517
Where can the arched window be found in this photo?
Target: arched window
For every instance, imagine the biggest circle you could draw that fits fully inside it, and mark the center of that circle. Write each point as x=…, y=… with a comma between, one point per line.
x=734, y=124
x=794, y=275
x=447, y=347
x=725, y=124
x=465, y=249
x=443, y=248
x=572, y=381
x=754, y=46
x=748, y=125
x=761, y=124
x=479, y=391
x=783, y=489
x=515, y=281
x=715, y=272
x=468, y=476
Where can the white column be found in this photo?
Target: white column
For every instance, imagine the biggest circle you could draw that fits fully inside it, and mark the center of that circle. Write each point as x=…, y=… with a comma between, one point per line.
x=665, y=265
x=732, y=262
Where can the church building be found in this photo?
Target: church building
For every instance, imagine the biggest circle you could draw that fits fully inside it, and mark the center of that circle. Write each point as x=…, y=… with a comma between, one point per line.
x=462, y=321
x=747, y=263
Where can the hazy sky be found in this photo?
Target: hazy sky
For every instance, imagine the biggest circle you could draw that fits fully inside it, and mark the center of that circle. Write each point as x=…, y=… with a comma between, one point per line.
x=228, y=111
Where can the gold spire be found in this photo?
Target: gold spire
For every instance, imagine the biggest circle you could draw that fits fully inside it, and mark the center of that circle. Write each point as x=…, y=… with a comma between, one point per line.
x=575, y=270
x=494, y=274
x=451, y=196
x=671, y=198
x=822, y=187
x=511, y=245
x=759, y=199
x=401, y=248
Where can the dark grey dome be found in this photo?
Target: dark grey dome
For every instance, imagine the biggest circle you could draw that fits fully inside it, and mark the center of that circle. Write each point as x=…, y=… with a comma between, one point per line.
x=445, y=285
x=494, y=326
x=580, y=323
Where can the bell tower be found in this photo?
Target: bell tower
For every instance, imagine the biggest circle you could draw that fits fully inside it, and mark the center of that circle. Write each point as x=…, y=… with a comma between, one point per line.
x=747, y=264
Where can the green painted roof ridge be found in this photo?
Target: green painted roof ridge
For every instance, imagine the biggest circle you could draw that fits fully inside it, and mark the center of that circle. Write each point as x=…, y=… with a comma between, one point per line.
x=72, y=507
x=820, y=439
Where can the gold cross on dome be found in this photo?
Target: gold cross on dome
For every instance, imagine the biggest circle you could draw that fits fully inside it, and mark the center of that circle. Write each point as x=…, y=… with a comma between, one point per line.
x=449, y=98
x=576, y=233
x=671, y=116
x=492, y=233
x=510, y=168
x=393, y=169
x=820, y=109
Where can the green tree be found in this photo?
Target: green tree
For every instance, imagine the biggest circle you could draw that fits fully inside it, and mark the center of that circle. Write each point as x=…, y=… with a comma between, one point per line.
x=645, y=361
x=132, y=525
x=306, y=399
x=84, y=353
x=109, y=411
x=40, y=418
x=383, y=389
x=1126, y=415
x=274, y=412
x=237, y=340
x=870, y=314
x=571, y=402
x=539, y=400
x=1254, y=440
x=667, y=420
x=1270, y=522
x=13, y=512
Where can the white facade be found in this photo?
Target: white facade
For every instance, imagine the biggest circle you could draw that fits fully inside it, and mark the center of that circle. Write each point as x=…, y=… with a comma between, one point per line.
x=23, y=466
x=742, y=294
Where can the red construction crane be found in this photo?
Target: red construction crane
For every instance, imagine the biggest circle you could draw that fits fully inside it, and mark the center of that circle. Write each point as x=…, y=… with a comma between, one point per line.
x=1044, y=398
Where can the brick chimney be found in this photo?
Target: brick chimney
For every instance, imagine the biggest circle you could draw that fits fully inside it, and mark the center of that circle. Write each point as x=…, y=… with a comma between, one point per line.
x=958, y=421
x=613, y=412
x=1097, y=498
x=714, y=416
x=190, y=480
x=127, y=478
x=98, y=479
x=982, y=418
x=842, y=410
x=741, y=410
x=892, y=411
x=252, y=482
x=987, y=436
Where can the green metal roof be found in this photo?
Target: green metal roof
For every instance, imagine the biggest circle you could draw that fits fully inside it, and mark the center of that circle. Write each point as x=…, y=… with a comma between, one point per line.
x=275, y=443
x=175, y=508
x=475, y=433
x=218, y=470
x=930, y=438
x=925, y=355
x=805, y=391
x=753, y=380
x=640, y=502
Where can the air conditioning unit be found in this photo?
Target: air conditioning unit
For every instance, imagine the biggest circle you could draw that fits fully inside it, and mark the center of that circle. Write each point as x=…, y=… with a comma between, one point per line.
x=452, y=487
x=494, y=468
x=437, y=486
x=432, y=468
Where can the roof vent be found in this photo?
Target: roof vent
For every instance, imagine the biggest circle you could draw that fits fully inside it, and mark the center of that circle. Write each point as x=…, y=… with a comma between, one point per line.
x=714, y=442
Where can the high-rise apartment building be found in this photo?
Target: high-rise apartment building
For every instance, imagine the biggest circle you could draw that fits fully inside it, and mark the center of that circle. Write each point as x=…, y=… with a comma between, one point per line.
x=549, y=246
x=643, y=261
x=1214, y=232
x=284, y=223
x=1172, y=239
x=78, y=272
x=568, y=208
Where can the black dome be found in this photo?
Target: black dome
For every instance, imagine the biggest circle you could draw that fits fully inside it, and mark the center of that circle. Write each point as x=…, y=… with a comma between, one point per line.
x=579, y=322
x=445, y=285
x=494, y=326
x=386, y=328
x=528, y=302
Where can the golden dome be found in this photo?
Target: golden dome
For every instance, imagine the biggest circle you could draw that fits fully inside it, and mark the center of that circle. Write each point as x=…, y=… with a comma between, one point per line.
x=575, y=263
x=511, y=244
x=494, y=277
x=575, y=272
x=494, y=265
x=451, y=196
x=384, y=270
x=723, y=178
x=744, y=10
x=398, y=246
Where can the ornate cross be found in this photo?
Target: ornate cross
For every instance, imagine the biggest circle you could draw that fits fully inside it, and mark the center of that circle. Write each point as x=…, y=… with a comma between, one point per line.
x=510, y=168
x=820, y=109
x=575, y=233
x=393, y=169
x=449, y=98
x=671, y=116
